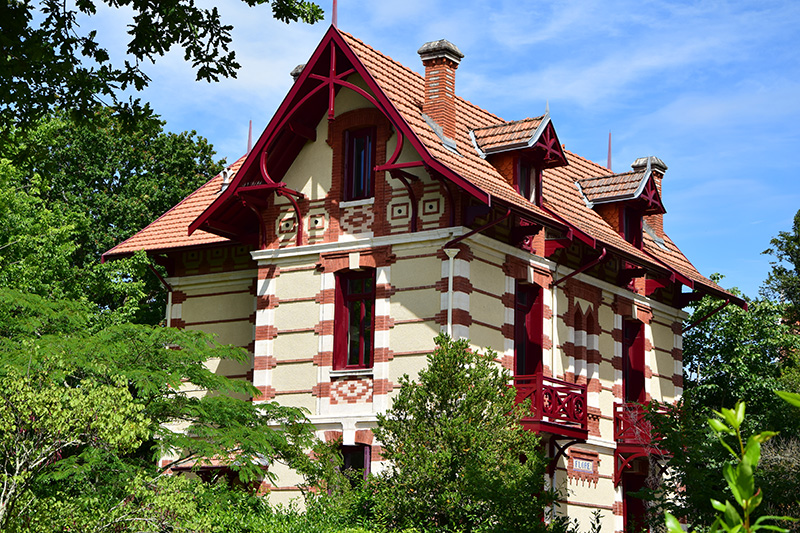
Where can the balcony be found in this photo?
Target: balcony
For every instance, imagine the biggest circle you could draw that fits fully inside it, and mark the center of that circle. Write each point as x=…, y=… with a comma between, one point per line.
x=635, y=435
x=557, y=407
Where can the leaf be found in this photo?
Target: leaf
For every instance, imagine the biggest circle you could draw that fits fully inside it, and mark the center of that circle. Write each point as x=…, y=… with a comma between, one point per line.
x=672, y=523
x=791, y=397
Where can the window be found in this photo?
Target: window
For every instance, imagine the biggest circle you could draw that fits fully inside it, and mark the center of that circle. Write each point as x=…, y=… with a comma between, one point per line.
x=632, y=226
x=354, y=319
x=355, y=462
x=528, y=329
x=358, y=164
x=633, y=361
x=529, y=181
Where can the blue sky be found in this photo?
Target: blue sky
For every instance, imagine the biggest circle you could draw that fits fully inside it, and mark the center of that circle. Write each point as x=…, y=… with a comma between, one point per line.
x=710, y=87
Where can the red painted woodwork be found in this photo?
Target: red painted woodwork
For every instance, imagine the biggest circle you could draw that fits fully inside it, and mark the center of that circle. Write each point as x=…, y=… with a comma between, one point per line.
x=631, y=425
x=354, y=319
x=528, y=329
x=557, y=407
x=633, y=362
x=634, y=509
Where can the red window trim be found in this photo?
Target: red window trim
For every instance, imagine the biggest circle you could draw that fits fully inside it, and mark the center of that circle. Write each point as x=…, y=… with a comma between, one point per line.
x=349, y=183
x=341, y=333
x=348, y=452
x=633, y=381
x=528, y=329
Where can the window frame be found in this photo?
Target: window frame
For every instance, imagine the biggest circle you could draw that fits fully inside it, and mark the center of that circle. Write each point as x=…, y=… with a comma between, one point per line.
x=345, y=298
x=363, y=186
x=528, y=329
x=528, y=180
x=349, y=452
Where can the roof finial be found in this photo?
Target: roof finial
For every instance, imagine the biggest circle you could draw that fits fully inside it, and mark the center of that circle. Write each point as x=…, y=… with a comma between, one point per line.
x=334, y=15
x=547, y=107
x=250, y=138
x=608, y=165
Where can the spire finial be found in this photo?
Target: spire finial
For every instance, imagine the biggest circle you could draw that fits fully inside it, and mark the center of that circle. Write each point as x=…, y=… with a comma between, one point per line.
x=608, y=165
x=250, y=138
x=334, y=15
x=547, y=107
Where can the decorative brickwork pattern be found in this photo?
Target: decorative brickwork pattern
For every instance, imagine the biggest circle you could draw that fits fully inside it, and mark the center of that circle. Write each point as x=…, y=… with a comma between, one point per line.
x=583, y=466
x=351, y=390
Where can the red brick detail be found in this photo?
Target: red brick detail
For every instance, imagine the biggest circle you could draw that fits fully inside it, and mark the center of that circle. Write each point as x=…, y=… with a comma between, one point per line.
x=384, y=290
x=333, y=436
x=644, y=314
x=266, y=333
x=516, y=268
x=376, y=453
x=648, y=346
x=508, y=300
x=594, y=385
x=582, y=457
x=251, y=346
x=364, y=436
x=266, y=393
x=594, y=356
x=568, y=348
x=269, y=301
x=382, y=355
x=253, y=288
x=547, y=312
x=507, y=330
x=178, y=297
x=177, y=323
x=383, y=323
x=351, y=390
x=580, y=353
x=579, y=289
x=677, y=354
x=324, y=328
x=252, y=318
x=321, y=390
x=340, y=260
x=616, y=363
x=464, y=253
x=622, y=306
x=268, y=272
x=460, y=317
x=327, y=296
x=677, y=328
x=547, y=343
x=616, y=335
x=648, y=372
x=382, y=386
x=542, y=278
x=617, y=509
x=569, y=377
x=507, y=361
x=677, y=380
x=616, y=390
x=264, y=362
x=460, y=284
x=324, y=359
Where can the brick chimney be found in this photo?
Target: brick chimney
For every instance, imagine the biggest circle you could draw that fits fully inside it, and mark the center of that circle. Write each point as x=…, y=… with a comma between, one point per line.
x=658, y=169
x=441, y=59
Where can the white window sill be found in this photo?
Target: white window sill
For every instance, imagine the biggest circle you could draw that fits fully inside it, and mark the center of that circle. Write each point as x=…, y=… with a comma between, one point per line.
x=348, y=372
x=356, y=203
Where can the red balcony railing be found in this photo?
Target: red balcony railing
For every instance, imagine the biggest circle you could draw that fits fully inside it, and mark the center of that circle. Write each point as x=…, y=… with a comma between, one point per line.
x=556, y=406
x=631, y=425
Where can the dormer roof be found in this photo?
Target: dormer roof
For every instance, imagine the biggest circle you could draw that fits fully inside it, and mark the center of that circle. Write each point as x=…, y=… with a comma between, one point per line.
x=636, y=184
x=532, y=135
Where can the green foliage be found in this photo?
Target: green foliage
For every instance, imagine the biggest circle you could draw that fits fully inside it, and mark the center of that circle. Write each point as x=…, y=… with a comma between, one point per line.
x=459, y=458
x=739, y=477
x=99, y=404
x=71, y=192
x=783, y=282
x=49, y=61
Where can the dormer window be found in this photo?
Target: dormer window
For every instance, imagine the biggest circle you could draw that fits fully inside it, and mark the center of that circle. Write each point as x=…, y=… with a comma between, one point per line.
x=359, y=176
x=529, y=181
x=632, y=226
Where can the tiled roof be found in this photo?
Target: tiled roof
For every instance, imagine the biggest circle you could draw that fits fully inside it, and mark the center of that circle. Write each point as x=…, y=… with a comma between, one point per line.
x=170, y=230
x=613, y=187
x=405, y=89
x=506, y=135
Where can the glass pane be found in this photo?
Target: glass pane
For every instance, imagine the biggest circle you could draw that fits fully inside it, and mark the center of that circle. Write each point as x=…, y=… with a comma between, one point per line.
x=354, y=333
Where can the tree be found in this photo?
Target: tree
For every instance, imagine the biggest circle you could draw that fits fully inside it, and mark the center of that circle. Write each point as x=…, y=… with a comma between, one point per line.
x=72, y=191
x=783, y=283
x=87, y=410
x=48, y=61
x=733, y=356
x=458, y=455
